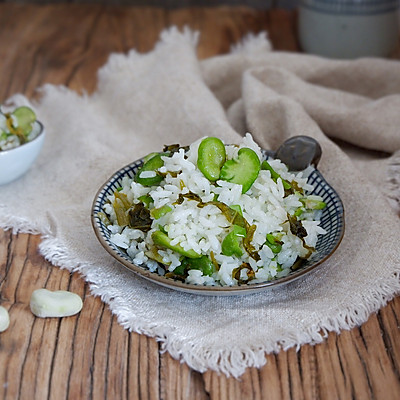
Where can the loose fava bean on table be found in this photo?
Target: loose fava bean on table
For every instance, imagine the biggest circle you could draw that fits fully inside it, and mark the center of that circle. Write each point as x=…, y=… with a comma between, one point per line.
x=61, y=303
x=4, y=319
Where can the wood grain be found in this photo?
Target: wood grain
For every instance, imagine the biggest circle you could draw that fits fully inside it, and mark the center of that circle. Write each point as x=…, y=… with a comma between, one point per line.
x=90, y=356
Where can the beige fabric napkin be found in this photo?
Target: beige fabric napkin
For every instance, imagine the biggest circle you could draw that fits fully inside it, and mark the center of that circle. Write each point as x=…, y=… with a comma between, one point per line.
x=144, y=101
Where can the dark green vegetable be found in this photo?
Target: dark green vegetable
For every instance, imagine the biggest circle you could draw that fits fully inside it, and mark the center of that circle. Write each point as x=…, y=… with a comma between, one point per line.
x=173, y=148
x=297, y=264
x=204, y=264
x=211, y=157
x=190, y=196
x=180, y=270
x=296, y=227
x=243, y=170
x=139, y=217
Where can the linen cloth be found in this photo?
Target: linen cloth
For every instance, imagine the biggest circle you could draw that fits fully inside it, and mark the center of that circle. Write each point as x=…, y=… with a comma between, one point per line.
x=166, y=96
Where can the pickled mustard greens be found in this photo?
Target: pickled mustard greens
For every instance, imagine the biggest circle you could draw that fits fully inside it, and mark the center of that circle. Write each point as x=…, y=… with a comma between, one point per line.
x=17, y=127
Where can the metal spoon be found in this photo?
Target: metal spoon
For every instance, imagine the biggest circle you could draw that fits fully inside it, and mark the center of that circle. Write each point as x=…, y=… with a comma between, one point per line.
x=298, y=152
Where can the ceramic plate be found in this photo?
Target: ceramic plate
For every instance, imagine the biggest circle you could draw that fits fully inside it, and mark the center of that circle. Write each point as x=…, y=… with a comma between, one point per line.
x=332, y=221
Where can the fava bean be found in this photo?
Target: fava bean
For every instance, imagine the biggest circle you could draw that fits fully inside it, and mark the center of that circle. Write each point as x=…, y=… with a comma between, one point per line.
x=312, y=202
x=211, y=157
x=243, y=170
x=61, y=303
x=4, y=319
x=273, y=243
x=25, y=117
x=157, y=213
x=153, y=163
x=204, y=264
x=231, y=244
x=161, y=239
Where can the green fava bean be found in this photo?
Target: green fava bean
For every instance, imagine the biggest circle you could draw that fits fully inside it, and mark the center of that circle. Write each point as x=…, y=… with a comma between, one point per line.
x=231, y=244
x=152, y=164
x=157, y=213
x=25, y=117
x=161, y=239
x=204, y=264
x=244, y=170
x=211, y=157
x=146, y=200
x=273, y=243
x=312, y=202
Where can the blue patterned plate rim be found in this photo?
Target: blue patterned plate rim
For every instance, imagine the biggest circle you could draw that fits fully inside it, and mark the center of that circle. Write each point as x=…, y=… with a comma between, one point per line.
x=332, y=221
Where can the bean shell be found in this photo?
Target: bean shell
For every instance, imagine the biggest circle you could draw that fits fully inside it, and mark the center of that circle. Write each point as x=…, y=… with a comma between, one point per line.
x=61, y=303
x=4, y=319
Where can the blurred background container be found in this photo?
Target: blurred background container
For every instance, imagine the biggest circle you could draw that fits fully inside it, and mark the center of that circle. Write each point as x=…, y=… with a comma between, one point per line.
x=348, y=28
x=330, y=28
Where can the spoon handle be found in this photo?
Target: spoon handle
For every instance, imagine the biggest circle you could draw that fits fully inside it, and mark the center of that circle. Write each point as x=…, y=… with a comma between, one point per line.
x=299, y=152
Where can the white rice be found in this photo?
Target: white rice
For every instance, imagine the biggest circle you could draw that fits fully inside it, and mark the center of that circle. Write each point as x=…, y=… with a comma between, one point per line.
x=203, y=229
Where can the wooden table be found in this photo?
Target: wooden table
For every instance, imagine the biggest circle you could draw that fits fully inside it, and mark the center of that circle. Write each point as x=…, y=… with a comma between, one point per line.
x=91, y=356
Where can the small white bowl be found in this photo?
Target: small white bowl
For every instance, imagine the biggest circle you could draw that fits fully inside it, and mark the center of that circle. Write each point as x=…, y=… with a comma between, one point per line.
x=16, y=162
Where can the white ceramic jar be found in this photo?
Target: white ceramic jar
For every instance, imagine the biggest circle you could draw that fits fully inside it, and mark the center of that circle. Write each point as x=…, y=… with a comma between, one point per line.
x=348, y=28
